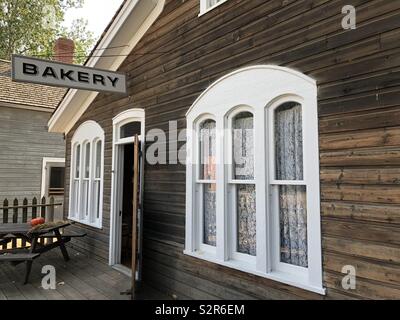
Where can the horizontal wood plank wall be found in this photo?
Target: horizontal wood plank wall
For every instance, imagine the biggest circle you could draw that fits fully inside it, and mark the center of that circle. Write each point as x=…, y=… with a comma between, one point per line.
x=24, y=142
x=358, y=74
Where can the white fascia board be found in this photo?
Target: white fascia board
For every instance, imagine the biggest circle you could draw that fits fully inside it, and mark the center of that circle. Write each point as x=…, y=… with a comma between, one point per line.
x=128, y=28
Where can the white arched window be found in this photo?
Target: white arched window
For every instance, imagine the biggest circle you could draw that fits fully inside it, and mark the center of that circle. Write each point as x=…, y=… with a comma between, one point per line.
x=205, y=183
x=86, y=196
x=208, y=5
x=253, y=199
x=241, y=186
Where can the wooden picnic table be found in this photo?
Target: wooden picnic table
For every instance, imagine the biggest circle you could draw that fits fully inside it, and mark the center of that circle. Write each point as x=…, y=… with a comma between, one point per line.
x=25, y=232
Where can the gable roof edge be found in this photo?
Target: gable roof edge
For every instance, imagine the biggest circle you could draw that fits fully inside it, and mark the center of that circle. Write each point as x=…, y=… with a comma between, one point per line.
x=126, y=30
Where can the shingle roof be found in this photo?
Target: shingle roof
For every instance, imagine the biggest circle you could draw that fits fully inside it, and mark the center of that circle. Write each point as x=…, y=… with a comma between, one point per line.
x=25, y=93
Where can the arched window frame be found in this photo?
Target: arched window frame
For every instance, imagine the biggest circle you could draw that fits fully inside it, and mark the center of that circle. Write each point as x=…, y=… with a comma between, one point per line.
x=207, y=5
x=96, y=179
x=88, y=133
x=75, y=180
x=232, y=183
x=85, y=181
x=200, y=183
x=235, y=111
x=262, y=88
x=274, y=182
x=128, y=116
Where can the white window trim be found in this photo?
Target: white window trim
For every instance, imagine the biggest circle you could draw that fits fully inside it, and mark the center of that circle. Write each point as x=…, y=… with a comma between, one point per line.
x=131, y=115
x=307, y=151
x=85, y=215
x=47, y=163
x=260, y=87
x=231, y=184
x=204, y=9
x=199, y=185
x=88, y=132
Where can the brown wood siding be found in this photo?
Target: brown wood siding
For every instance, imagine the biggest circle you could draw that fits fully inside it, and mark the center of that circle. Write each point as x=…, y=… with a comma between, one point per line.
x=358, y=74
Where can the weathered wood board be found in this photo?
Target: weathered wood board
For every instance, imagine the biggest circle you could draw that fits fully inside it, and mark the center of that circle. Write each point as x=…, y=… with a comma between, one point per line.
x=358, y=74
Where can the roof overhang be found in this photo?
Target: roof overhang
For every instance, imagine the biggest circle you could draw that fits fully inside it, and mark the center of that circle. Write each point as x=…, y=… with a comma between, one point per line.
x=128, y=27
x=25, y=106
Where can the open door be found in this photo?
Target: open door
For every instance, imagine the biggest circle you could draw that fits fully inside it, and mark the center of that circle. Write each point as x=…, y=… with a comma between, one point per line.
x=127, y=193
x=131, y=212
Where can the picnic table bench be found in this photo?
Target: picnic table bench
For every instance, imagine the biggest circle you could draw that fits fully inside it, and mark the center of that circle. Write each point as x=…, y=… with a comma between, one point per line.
x=33, y=236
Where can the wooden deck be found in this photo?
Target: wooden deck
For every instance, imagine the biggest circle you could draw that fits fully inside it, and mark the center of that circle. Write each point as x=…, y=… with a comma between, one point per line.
x=81, y=278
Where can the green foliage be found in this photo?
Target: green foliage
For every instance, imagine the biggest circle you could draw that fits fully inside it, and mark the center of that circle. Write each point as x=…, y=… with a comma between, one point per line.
x=84, y=40
x=30, y=27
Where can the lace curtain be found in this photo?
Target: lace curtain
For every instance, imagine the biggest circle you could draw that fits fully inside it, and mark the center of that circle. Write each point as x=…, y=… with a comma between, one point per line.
x=293, y=225
x=292, y=198
x=207, y=158
x=246, y=216
x=289, y=142
x=243, y=159
x=207, y=150
x=243, y=146
x=210, y=214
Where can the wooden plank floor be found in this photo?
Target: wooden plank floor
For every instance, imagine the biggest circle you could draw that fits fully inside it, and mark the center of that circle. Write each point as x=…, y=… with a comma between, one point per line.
x=81, y=278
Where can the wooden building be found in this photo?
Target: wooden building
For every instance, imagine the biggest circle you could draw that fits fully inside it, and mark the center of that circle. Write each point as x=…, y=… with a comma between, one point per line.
x=317, y=196
x=32, y=160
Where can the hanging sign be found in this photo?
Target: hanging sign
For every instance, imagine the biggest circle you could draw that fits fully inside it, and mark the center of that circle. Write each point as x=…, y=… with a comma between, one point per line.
x=52, y=73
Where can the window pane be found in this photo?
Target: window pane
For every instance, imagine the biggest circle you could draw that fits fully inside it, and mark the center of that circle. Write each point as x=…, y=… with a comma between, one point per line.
x=289, y=142
x=98, y=160
x=96, y=200
x=211, y=3
x=56, y=183
x=130, y=129
x=75, y=198
x=85, y=198
x=293, y=225
x=56, y=177
x=87, y=161
x=209, y=214
x=207, y=150
x=243, y=146
x=77, y=161
x=246, y=218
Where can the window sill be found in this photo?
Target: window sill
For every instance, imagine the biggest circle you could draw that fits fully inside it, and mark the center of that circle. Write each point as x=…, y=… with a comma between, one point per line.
x=93, y=225
x=247, y=267
x=211, y=8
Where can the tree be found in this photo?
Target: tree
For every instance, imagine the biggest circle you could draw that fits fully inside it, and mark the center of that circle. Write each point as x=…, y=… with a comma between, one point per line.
x=30, y=27
x=84, y=40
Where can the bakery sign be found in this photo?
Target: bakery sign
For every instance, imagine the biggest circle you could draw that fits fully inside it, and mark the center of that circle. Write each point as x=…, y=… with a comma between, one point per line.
x=51, y=73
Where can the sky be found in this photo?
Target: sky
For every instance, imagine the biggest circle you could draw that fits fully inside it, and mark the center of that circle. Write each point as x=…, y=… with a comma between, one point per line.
x=98, y=13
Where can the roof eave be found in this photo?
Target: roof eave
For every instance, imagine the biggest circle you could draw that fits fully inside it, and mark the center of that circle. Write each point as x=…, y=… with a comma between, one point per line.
x=129, y=26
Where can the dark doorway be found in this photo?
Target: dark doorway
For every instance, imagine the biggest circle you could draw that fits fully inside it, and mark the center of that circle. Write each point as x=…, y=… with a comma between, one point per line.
x=127, y=207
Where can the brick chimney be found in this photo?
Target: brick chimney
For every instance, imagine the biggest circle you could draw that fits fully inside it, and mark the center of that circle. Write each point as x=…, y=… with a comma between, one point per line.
x=64, y=50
